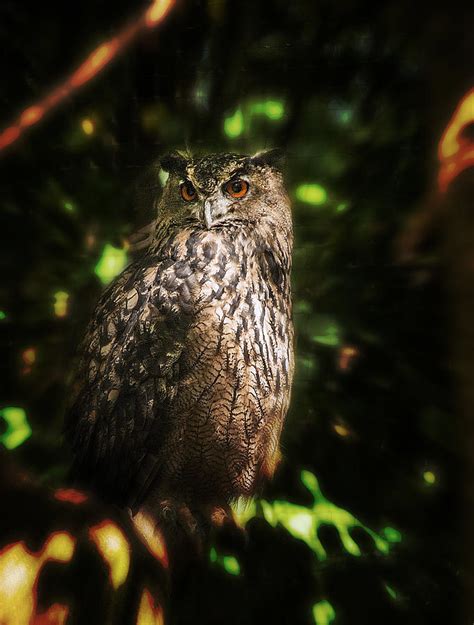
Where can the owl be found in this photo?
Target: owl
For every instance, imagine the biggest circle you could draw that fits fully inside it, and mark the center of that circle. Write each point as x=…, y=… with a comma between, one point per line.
x=186, y=368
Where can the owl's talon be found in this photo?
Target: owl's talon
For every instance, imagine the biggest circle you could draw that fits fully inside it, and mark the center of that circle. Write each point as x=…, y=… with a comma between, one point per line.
x=183, y=528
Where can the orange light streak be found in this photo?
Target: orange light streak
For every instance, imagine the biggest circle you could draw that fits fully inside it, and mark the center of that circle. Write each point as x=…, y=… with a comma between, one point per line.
x=71, y=495
x=95, y=62
x=102, y=56
x=31, y=115
x=456, y=152
x=346, y=356
x=19, y=574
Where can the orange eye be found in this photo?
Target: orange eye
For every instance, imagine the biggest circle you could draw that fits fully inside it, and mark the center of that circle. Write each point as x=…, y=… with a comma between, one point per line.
x=188, y=192
x=237, y=188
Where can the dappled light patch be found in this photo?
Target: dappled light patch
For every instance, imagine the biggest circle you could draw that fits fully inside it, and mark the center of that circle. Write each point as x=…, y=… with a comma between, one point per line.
x=241, y=119
x=323, y=613
x=114, y=547
x=456, y=152
x=18, y=429
x=229, y=563
x=304, y=522
x=149, y=611
x=19, y=572
x=112, y=261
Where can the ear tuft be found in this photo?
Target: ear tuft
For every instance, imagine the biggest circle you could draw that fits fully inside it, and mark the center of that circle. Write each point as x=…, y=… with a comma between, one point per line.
x=274, y=158
x=174, y=163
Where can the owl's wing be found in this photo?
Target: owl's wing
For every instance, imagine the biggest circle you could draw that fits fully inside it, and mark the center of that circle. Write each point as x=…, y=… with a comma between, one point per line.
x=127, y=377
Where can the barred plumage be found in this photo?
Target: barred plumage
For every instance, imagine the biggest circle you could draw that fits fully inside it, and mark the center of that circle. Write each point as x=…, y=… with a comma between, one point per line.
x=187, y=364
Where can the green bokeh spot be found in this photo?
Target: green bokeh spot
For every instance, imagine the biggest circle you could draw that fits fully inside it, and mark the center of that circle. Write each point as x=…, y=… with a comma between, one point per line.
x=345, y=117
x=230, y=564
x=326, y=331
x=111, y=263
x=61, y=299
x=313, y=194
x=323, y=613
x=429, y=477
x=18, y=429
x=391, y=591
x=392, y=534
x=309, y=480
x=273, y=109
x=69, y=206
x=302, y=307
x=234, y=125
x=308, y=362
x=3, y=315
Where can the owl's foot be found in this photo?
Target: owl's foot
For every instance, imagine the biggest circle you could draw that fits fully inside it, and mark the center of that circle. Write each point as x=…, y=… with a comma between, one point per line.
x=183, y=528
x=188, y=527
x=226, y=531
x=217, y=516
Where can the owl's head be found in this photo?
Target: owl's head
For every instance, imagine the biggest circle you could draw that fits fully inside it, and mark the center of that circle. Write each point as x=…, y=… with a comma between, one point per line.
x=220, y=190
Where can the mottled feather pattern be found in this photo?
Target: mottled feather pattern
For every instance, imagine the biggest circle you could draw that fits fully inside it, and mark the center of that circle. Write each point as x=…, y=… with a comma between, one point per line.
x=187, y=364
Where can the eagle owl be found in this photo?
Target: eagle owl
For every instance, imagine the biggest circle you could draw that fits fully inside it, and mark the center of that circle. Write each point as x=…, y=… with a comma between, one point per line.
x=186, y=368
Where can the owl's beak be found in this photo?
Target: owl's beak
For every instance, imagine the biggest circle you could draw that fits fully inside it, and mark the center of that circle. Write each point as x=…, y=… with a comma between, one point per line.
x=208, y=213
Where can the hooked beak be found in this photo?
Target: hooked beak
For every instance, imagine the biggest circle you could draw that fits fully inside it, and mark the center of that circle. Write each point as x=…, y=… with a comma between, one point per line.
x=208, y=213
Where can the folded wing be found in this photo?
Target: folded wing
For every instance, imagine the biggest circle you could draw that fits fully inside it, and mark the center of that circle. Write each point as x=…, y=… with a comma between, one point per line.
x=126, y=381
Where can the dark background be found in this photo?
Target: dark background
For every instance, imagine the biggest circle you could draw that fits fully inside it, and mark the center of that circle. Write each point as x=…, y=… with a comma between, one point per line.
x=358, y=95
